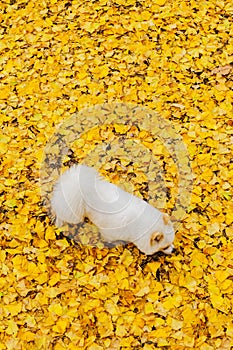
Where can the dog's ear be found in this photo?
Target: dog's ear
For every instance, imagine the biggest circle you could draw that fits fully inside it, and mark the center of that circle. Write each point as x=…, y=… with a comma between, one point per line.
x=166, y=219
x=156, y=237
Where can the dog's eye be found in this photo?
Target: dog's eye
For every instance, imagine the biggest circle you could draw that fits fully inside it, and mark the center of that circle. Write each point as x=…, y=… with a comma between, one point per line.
x=167, y=246
x=168, y=249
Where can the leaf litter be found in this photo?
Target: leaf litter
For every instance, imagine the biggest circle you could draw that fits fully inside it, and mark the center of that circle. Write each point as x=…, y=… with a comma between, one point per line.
x=58, y=57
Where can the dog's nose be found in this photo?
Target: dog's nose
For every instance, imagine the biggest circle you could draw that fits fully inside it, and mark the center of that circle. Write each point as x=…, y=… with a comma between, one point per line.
x=173, y=249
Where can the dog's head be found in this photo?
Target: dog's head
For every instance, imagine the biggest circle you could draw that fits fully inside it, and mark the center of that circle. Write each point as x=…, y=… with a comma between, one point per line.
x=159, y=238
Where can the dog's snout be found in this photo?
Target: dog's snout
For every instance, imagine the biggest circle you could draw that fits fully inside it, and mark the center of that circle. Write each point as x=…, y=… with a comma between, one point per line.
x=169, y=249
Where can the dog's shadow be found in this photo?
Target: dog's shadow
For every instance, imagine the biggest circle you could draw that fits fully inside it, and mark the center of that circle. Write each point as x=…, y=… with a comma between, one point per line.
x=88, y=234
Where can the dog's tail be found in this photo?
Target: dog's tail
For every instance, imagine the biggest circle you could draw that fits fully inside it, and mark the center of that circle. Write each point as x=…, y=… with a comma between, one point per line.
x=67, y=202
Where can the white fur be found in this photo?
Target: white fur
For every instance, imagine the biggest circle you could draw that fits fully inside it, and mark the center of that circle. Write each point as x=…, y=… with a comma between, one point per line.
x=81, y=192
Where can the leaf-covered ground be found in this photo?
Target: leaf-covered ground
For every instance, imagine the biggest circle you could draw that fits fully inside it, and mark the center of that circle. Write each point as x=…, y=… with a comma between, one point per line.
x=57, y=57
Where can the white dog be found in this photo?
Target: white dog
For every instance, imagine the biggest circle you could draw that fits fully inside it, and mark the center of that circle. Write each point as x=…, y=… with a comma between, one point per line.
x=81, y=192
